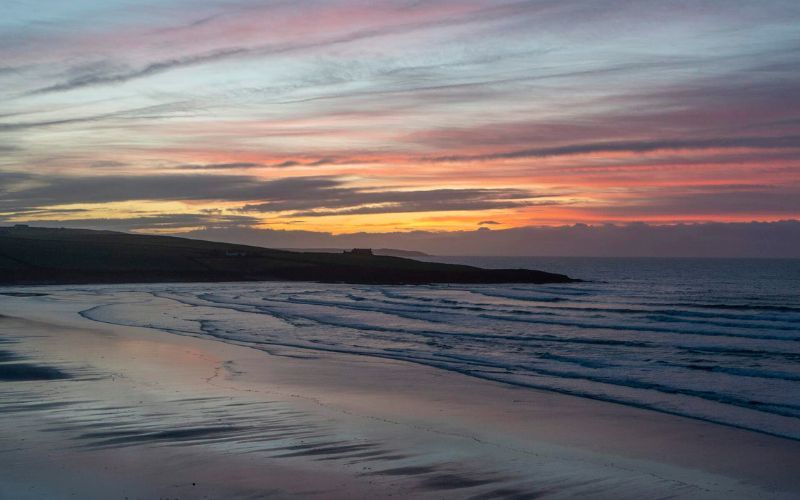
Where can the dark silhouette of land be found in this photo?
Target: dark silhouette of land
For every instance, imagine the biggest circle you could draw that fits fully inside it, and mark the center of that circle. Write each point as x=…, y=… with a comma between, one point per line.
x=391, y=252
x=39, y=256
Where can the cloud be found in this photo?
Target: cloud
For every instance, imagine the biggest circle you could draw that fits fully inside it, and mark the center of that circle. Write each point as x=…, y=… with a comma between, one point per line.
x=247, y=165
x=488, y=223
x=710, y=201
x=754, y=239
x=315, y=163
x=60, y=189
x=220, y=166
x=159, y=222
x=420, y=206
x=104, y=78
x=426, y=94
x=336, y=200
x=324, y=196
x=302, y=196
x=47, y=212
x=322, y=161
x=423, y=16
x=108, y=164
x=288, y=163
x=47, y=123
x=159, y=111
x=753, y=142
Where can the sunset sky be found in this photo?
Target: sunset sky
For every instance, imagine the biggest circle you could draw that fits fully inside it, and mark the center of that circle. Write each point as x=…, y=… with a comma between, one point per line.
x=383, y=116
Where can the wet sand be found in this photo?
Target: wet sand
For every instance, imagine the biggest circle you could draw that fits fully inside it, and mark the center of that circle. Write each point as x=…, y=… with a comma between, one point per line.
x=99, y=411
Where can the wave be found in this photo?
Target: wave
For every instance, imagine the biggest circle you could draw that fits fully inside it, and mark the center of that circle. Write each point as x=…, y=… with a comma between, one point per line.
x=736, y=368
x=737, y=307
x=639, y=328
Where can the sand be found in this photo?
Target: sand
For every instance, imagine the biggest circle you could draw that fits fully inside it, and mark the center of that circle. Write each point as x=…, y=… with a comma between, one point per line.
x=100, y=411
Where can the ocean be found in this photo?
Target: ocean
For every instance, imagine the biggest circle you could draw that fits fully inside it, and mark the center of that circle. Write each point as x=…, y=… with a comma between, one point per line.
x=712, y=339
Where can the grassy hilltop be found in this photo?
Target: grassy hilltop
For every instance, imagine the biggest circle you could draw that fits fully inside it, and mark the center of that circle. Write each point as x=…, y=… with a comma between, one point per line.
x=30, y=255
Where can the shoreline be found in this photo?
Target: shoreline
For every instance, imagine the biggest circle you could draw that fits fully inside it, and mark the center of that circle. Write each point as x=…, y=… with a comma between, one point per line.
x=455, y=435
x=270, y=347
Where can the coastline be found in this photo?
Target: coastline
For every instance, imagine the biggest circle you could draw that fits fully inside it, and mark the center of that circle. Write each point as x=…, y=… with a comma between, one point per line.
x=49, y=256
x=366, y=426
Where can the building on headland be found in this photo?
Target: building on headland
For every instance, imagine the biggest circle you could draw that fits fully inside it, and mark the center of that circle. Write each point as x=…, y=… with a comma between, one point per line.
x=359, y=251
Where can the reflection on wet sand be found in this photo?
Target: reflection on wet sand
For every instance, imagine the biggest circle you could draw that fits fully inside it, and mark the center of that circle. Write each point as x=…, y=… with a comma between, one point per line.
x=269, y=429
x=149, y=413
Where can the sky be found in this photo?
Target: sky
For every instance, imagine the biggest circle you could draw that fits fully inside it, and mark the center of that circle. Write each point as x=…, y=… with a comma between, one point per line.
x=338, y=117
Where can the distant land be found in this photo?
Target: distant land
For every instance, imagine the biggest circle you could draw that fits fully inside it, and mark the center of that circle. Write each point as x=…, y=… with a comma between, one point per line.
x=778, y=239
x=39, y=256
x=392, y=252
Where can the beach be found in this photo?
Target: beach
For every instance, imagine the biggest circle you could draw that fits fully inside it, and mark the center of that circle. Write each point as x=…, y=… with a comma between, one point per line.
x=348, y=249
x=112, y=411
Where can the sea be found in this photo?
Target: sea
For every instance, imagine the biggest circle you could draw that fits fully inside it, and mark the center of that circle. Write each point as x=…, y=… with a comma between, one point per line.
x=710, y=339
